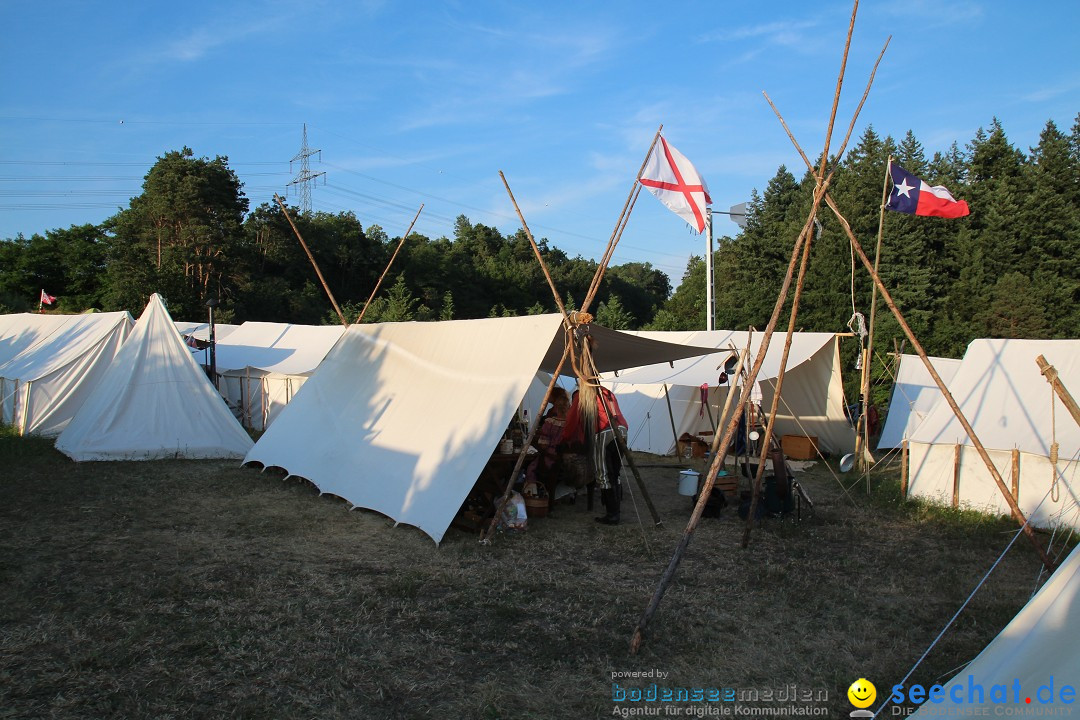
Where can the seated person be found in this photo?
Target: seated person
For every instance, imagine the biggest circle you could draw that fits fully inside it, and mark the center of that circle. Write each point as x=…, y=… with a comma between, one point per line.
x=547, y=442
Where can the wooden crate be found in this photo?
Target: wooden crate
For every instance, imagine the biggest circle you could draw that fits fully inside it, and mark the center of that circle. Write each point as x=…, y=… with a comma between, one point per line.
x=799, y=447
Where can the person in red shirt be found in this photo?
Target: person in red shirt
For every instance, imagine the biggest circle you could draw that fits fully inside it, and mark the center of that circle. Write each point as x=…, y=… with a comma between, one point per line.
x=601, y=448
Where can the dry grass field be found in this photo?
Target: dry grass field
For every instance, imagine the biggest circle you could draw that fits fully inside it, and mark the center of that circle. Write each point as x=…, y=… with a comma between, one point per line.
x=202, y=589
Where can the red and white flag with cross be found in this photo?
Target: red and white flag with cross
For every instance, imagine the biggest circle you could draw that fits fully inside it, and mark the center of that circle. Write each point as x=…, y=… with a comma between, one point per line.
x=676, y=183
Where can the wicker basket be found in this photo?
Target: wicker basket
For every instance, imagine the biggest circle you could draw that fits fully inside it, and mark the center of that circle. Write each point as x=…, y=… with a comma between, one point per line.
x=536, y=507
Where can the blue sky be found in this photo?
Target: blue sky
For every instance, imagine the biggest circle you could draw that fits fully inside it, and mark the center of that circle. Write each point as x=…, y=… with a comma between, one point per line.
x=425, y=102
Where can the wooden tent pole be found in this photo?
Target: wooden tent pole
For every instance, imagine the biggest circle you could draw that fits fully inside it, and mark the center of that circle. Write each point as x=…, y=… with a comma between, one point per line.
x=594, y=288
x=375, y=289
x=819, y=192
x=766, y=443
x=314, y=264
x=671, y=417
x=1016, y=512
x=620, y=224
x=539, y=257
x=887, y=297
x=537, y=422
x=729, y=431
x=1051, y=374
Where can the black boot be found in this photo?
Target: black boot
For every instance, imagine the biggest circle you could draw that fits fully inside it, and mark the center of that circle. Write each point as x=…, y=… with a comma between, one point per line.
x=610, y=498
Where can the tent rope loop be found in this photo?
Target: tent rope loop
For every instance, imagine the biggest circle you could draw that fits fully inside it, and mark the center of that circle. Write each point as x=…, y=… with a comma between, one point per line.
x=859, y=322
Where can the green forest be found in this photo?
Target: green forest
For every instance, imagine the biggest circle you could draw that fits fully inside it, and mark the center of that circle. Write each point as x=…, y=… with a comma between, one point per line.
x=1009, y=269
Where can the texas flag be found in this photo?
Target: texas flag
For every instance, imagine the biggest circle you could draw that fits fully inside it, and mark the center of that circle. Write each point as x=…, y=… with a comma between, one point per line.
x=676, y=183
x=913, y=196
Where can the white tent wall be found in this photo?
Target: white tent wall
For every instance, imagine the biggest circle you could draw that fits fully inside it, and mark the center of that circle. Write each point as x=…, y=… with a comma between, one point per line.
x=1009, y=404
x=262, y=365
x=44, y=384
x=401, y=418
x=914, y=395
x=931, y=469
x=19, y=331
x=258, y=397
x=154, y=401
x=1037, y=645
x=812, y=401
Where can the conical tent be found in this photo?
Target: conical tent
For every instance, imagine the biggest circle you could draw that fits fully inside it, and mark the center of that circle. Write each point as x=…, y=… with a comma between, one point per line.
x=154, y=402
x=1026, y=669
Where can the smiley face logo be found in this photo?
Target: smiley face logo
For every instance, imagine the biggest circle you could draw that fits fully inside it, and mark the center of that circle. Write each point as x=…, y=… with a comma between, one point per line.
x=862, y=693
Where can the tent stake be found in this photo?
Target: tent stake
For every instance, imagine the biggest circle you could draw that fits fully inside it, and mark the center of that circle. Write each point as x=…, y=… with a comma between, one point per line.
x=903, y=469
x=957, y=450
x=1016, y=474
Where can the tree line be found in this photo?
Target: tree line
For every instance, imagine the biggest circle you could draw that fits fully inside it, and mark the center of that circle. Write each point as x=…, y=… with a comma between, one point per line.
x=1009, y=269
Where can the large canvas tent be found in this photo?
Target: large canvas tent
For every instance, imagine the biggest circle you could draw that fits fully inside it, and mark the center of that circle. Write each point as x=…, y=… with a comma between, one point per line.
x=50, y=363
x=914, y=395
x=812, y=397
x=262, y=365
x=1010, y=405
x=153, y=401
x=401, y=418
x=1036, y=649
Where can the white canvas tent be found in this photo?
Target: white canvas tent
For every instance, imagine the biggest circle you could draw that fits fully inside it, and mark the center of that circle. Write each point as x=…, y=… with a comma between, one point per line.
x=1037, y=648
x=201, y=331
x=262, y=365
x=914, y=394
x=1010, y=405
x=50, y=363
x=812, y=398
x=401, y=418
x=153, y=402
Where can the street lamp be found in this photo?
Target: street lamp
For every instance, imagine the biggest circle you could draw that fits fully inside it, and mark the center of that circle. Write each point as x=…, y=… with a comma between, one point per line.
x=737, y=213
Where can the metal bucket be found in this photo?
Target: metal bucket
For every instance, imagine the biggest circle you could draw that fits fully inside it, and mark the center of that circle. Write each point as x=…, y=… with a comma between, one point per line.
x=688, y=482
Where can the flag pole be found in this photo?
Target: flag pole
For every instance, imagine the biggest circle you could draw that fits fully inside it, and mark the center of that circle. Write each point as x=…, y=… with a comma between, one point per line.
x=862, y=439
x=396, y=251
x=710, y=290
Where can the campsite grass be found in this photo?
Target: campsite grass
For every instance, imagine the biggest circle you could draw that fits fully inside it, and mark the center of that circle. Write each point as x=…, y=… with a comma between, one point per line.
x=201, y=589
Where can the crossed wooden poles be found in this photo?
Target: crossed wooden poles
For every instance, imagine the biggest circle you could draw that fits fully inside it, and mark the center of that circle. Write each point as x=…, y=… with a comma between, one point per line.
x=802, y=246
x=570, y=351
